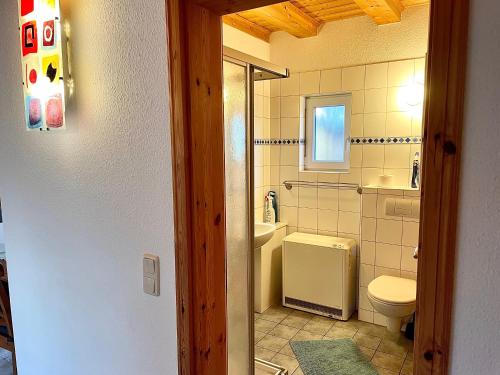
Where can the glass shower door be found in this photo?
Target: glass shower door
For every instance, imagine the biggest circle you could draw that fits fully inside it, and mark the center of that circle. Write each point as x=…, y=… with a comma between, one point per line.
x=239, y=223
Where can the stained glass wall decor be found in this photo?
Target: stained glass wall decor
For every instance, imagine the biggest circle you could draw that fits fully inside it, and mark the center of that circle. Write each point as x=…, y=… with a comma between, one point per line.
x=42, y=61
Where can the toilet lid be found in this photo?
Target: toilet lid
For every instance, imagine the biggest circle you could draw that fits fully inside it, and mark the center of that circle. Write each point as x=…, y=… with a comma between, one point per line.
x=393, y=289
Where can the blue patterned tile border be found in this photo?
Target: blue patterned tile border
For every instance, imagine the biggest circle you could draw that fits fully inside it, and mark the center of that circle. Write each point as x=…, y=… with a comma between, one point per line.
x=386, y=140
x=354, y=141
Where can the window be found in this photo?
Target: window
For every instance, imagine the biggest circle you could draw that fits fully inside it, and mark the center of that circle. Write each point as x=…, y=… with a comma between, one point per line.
x=327, y=125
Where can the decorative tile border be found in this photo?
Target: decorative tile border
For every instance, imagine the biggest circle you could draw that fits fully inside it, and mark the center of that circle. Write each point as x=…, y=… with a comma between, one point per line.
x=354, y=141
x=278, y=141
x=386, y=140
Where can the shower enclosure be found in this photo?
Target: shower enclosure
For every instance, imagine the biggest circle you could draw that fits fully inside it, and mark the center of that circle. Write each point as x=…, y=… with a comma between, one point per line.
x=240, y=73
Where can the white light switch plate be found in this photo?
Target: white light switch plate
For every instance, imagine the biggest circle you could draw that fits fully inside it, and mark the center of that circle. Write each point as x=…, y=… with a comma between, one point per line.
x=151, y=274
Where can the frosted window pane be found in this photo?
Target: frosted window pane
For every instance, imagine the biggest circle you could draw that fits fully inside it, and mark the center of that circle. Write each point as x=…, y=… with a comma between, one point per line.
x=329, y=133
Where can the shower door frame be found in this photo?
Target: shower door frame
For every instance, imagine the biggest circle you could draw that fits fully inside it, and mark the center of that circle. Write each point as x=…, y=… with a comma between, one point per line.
x=195, y=71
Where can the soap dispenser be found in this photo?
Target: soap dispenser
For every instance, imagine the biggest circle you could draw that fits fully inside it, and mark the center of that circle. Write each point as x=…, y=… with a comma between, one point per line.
x=415, y=174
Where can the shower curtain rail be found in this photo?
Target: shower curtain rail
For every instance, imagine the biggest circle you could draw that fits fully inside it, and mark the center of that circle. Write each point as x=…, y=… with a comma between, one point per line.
x=289, y=184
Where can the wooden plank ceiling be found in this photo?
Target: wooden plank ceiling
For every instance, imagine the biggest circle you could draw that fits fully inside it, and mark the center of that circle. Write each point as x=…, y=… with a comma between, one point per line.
x=304, y=18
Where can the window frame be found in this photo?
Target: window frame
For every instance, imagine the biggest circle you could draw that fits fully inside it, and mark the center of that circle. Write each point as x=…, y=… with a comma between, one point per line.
x=328, y=100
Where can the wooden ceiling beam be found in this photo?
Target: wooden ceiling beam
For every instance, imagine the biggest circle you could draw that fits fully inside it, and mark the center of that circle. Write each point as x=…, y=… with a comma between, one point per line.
x=382, y=11
x=287, y=17
x=222, y=7
x=240, y=23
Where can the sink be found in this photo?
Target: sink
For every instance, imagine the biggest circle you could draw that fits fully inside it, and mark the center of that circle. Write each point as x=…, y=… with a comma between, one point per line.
x=263, y=233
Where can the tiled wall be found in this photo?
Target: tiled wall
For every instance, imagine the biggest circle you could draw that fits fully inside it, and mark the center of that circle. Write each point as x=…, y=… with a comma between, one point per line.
x=378, y=111
x=387, y=245
x=381, y=93
x=262, y=157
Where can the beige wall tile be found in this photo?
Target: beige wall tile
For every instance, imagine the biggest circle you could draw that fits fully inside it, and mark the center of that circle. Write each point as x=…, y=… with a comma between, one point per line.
x=349, y=222
x=289, y=155
x=274, y=175
x=289, y=215
x=349, y=200
x=308, y=197
x=396, y=101
x=373, y=156
x=290, y=86
x=258, y=105
x=366, y=274
x=353, y=78
x=331, y=81
x=289, y=173
x=290, y=106
x=388, y=256
x=289, y=197
x=358, y=102
x=328, y=220
x=370, y=176
x=354, y=176
x=275, y=110
x=410, y=233
x=369, y=205
x=400, y=73
x=275, y=88
x=290, y=127
x=308, y=218
x=364, y=303
x=368, y=229
x=357, y=125
x=275, y=128
x=397, y=156
x=375, y=100
x=376, y=76
x=328, y=199
x=398, y=124
x=367, y=252
x=374, y=125
x=356, y=156
x=408, y=263
x=309, y=83
x=389, y=231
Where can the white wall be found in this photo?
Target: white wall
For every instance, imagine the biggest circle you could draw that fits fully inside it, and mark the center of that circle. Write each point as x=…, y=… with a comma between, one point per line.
x=246, y=43
x=354, y=41
x=82, y=206
x=476, y=332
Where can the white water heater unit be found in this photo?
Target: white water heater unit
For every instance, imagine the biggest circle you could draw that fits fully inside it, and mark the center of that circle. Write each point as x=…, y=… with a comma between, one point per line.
x=319, y=274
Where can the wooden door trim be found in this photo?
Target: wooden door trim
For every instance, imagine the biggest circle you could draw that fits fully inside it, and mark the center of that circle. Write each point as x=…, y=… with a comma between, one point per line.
x=197, y=132
x=445, y=82
x=195, y=66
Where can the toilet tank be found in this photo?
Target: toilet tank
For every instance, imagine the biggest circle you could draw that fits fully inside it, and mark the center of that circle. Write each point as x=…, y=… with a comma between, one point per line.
x=319, y=274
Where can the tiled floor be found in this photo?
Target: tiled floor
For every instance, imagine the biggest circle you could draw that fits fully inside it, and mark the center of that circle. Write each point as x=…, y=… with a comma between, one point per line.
x=392, y=354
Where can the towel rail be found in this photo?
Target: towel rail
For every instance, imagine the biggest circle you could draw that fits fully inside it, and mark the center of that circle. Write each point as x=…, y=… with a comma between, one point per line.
x=289, y=184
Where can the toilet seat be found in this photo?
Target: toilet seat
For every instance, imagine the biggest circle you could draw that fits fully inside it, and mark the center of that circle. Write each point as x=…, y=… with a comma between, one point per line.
x=392, y=290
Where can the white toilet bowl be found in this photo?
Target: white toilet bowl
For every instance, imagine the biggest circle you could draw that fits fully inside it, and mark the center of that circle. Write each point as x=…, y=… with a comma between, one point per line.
x=393, y=297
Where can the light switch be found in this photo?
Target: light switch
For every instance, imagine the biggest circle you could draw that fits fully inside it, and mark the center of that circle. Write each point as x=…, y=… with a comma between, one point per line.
x=149, y=286
x=149, y=265
x=151, y=274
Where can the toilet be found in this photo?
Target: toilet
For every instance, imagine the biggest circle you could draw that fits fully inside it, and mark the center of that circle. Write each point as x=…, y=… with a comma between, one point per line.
x=393, y=297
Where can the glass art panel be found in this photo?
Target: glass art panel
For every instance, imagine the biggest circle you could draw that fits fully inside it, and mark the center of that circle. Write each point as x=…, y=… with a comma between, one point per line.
x=42, y=64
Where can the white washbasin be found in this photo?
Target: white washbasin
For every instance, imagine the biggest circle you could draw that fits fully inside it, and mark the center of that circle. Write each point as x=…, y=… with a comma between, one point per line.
x=263, y=233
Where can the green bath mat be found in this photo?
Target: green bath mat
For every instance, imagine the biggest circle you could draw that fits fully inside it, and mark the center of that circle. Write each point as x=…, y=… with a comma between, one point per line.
x=331, y=357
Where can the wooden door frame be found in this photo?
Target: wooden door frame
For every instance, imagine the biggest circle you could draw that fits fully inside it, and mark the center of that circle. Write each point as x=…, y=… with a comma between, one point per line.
x=195, y=64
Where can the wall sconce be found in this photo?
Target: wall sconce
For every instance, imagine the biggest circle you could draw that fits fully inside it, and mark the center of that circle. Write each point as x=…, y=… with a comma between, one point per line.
x=42, y=64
